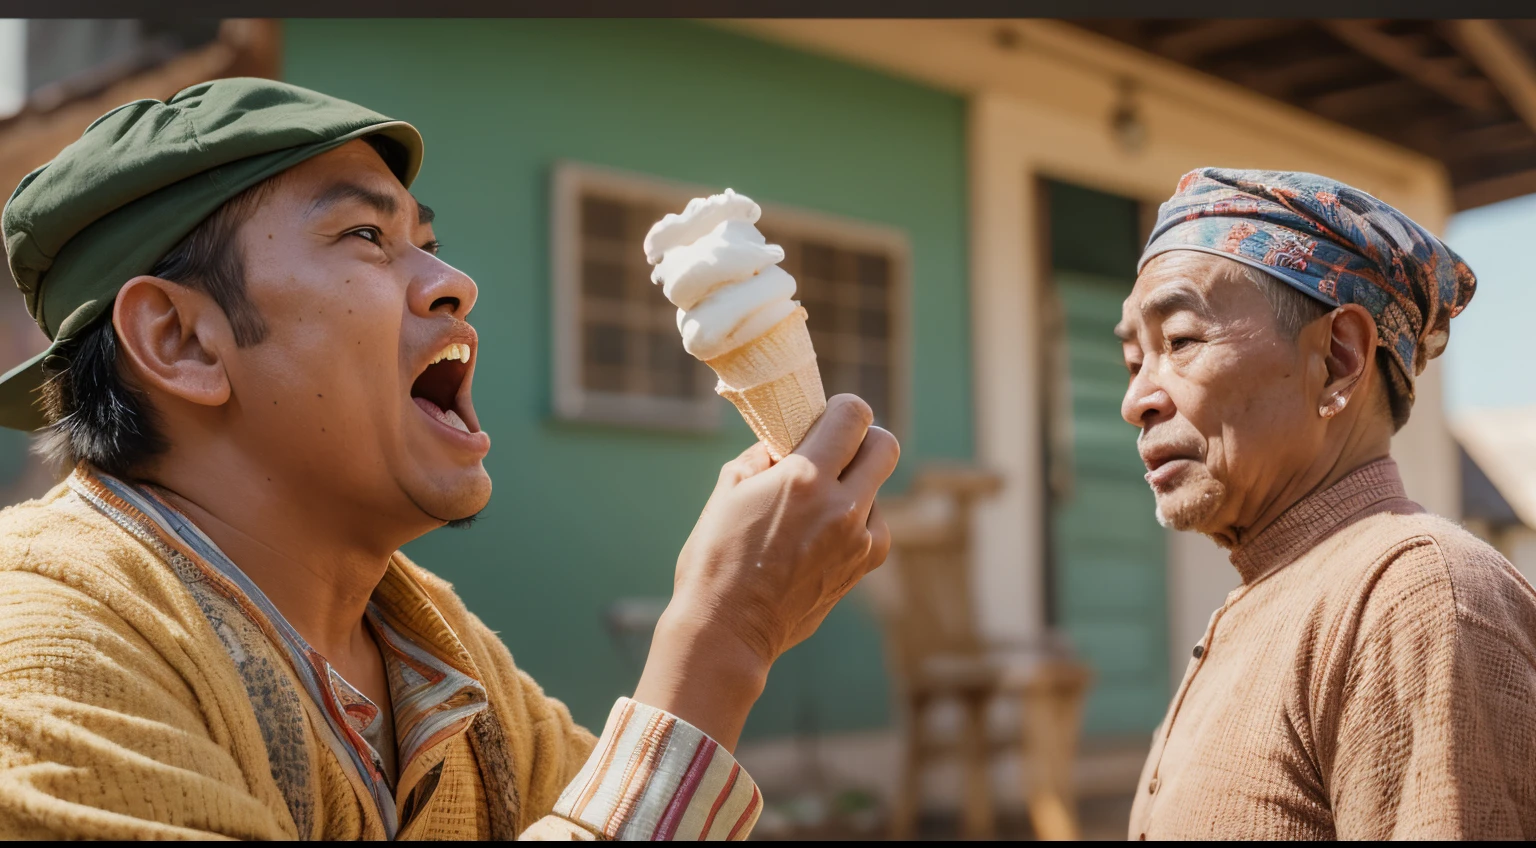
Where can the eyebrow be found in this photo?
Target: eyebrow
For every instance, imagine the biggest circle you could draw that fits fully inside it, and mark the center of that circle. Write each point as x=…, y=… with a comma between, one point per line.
x=384, y=203
x=1177, y=298
x=1166, y=301
x=343, y=192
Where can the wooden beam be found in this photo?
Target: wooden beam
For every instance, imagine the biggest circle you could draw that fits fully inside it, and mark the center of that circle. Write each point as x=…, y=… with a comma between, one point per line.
x=1453, y=134
x=1507, y=64
x=1439, y=75
x=1349, y=105
x=1477, y=169
x=1280, y=80
x=1484, y=192
x=1127, y=30
x=1191, y=44
x=1519, y=29
x=1501, y=138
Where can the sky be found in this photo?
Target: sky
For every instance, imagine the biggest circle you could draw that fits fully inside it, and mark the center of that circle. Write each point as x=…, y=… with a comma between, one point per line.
x=1491, y=358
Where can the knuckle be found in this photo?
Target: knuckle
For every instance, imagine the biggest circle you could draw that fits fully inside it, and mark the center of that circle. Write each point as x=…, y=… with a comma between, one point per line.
x=850, y=526
x=801, y=472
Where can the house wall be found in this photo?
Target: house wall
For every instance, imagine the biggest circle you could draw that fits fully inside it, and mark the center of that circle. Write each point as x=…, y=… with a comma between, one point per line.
x=1041, y=96
x=584, y=515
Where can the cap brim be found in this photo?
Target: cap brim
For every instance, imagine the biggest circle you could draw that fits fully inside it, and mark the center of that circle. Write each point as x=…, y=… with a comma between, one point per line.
x=409, y=138
x=20, y=403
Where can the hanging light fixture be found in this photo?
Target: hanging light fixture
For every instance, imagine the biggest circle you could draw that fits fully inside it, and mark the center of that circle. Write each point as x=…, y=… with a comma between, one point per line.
x=1125, y=123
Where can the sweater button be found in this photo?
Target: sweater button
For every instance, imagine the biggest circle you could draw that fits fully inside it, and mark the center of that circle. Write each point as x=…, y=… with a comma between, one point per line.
x=1199, y=651
x=1152, y=786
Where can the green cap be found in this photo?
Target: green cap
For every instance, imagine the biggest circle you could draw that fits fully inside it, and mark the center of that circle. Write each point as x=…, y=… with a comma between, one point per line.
x=142, y=177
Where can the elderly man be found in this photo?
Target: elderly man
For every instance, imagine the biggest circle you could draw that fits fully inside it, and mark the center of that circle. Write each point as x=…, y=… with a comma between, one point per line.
x=1375, y=674
x=261, y=370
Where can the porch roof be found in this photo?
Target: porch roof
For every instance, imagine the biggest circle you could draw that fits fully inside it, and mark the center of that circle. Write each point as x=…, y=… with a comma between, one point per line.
x=1462, y=92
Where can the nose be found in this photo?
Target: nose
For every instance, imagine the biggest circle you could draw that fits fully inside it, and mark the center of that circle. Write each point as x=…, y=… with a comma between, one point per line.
x=441, y=288
x=1145, y=402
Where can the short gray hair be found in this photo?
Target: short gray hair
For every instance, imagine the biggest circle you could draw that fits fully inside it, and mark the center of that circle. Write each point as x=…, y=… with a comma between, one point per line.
x=1294, y=310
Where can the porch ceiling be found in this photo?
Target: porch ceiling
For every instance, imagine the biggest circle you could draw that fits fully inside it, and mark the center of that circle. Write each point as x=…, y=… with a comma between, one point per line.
x=1461, y=92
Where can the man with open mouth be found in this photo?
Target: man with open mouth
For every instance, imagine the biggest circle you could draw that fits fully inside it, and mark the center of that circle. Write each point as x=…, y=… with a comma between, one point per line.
x=1374, y=676
x=261, y=372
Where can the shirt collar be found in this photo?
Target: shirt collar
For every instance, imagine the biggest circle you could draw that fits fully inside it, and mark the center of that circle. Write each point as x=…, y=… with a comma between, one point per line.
x=1316, y=517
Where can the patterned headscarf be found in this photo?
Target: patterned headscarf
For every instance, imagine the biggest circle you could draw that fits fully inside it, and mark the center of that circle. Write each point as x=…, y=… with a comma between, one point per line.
x=1333, y=242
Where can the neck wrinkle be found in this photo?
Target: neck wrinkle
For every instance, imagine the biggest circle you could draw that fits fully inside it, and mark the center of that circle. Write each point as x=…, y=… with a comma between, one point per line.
x=1317, y=516
x=323, y=591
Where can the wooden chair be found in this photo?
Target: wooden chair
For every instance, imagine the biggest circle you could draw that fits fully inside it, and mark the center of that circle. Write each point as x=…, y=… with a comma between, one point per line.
x=936, y=654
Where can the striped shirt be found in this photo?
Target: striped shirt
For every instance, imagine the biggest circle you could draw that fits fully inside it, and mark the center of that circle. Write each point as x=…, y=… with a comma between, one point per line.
x=654, y=776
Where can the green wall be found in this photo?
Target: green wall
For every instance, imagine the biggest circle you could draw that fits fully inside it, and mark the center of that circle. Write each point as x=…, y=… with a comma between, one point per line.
x=582, y=514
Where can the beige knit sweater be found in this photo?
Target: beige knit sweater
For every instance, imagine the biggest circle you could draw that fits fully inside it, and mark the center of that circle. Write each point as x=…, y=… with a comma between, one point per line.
x=1374, y=677
x=123, y=717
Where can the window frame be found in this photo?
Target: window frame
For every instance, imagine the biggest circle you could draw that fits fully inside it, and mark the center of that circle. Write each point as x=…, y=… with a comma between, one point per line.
x=573, y=402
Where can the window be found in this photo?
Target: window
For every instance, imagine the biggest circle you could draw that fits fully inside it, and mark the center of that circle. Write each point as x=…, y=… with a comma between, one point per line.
x=618, y=357
x=51, y=62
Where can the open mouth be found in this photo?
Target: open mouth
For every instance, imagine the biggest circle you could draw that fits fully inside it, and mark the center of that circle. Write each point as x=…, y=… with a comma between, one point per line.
x=437, y=390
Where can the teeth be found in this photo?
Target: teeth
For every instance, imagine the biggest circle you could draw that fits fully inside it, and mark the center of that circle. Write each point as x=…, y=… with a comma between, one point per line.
x=453, y=351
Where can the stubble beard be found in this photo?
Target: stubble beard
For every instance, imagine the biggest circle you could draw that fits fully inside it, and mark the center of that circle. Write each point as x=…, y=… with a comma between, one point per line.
x=1192, y=503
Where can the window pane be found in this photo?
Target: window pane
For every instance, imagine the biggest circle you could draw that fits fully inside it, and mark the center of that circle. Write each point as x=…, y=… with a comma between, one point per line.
x=874, y=323
x=818, y=261
x=874, y=281
x=605, y=344
x=672, y=370
x=638, y=285
x=602, y=218
x=874, y=271
x=602, y=278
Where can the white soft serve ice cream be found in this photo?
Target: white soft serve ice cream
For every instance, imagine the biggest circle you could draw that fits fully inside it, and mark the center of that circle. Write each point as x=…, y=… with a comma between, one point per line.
x=720, y=273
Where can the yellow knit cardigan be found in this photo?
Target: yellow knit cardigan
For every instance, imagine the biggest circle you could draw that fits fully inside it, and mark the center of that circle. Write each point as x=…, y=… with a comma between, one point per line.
x=122, y=716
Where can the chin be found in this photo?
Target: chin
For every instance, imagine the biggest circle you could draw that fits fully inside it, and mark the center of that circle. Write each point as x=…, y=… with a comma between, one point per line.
x=455, y=497
x=1192, y=505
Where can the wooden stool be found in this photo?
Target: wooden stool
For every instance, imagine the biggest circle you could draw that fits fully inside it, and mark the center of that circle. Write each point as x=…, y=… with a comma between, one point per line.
x=936, y=654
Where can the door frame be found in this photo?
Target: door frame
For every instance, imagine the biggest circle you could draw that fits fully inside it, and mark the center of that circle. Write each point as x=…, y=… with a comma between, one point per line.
x=1014, y=141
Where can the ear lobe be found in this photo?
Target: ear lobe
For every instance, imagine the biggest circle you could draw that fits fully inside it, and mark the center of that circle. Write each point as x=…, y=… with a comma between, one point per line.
x=171, y=336
x=1351, y=351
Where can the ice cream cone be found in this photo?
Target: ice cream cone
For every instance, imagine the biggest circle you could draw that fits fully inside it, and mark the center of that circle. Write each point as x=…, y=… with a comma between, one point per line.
x=774, y=383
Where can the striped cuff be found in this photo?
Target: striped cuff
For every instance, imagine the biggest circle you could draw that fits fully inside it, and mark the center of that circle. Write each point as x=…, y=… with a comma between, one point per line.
x=654, y=776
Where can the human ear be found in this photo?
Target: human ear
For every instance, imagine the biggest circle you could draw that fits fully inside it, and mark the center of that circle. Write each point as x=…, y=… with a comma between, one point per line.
x=1351, y=351
x=172, y=336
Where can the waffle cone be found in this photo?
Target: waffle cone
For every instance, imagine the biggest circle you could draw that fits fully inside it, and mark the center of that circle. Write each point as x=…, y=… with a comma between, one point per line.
x=774, y=383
